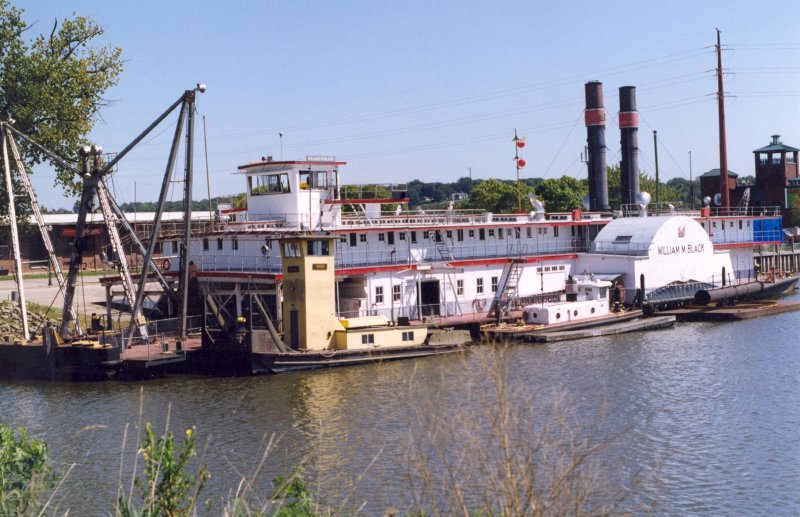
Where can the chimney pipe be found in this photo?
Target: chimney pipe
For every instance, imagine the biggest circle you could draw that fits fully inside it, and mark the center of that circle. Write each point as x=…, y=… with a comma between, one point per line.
x=595, y=117
x=629, y=129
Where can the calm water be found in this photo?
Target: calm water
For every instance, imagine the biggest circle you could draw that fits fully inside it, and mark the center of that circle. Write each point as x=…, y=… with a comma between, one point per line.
x=708, y=414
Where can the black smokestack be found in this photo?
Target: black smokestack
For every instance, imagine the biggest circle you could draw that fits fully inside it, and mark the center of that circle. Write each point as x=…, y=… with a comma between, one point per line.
x=595, y=116
x=629, y=127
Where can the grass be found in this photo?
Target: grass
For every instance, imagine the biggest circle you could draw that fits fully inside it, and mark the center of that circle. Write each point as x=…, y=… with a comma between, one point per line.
x=520, y=454
x=42, y=276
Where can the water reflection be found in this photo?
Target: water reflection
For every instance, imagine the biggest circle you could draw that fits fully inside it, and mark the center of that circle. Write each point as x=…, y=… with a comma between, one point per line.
x=710, y=412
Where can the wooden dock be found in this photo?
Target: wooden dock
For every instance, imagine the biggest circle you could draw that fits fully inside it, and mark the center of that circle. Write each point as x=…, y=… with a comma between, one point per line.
x=157, y=357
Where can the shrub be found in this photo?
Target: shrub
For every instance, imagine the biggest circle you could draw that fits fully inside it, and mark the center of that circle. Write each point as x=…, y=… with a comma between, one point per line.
x=24, y=471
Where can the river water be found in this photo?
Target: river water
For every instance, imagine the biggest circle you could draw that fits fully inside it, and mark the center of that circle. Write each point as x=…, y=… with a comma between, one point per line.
x=703, y=418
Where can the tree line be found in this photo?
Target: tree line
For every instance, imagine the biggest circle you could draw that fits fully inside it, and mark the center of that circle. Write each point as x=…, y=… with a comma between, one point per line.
x=493, y=195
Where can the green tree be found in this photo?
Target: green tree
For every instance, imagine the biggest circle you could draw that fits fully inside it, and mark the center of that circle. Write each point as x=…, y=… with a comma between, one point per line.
x=562, y=194
x=498, y=196
x=666, y=194
x=613, y=179
x=54, y=86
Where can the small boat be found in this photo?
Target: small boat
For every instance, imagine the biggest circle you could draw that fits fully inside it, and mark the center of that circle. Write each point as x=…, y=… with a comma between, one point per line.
x=585, y=304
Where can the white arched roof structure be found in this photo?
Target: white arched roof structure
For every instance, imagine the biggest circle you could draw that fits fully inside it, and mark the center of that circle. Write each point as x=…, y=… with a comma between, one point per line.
x=653, y=237
x=664, y=249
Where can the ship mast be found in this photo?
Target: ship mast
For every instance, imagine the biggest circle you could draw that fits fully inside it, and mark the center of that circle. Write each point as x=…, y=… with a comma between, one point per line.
x=519, y=143
x=723, y=152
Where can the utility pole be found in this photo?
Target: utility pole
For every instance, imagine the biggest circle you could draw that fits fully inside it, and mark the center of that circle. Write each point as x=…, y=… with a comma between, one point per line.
x=655, y=145
x=691, y=182
x=208, y=175
x=723, y=150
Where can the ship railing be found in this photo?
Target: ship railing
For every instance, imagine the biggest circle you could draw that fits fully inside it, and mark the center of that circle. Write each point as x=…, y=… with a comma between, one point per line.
x=679, y=208
x=463, y=310
x=421, y=219
x=750, y=211
x=633, y=249
x=169, y=327
x=238, y=263
x=498, y=249
x=257, y=225
x=373, y=191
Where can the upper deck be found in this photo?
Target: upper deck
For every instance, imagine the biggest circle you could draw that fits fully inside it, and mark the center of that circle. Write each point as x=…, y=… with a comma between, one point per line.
x=375, y=228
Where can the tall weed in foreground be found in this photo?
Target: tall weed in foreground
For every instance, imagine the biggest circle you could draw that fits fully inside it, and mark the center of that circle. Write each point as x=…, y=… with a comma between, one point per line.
x=519, y=454
x=24, y=472
x=166, y=486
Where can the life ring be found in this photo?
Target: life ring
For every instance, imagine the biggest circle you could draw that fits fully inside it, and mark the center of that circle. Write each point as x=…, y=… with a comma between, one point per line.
x=166, y=264
x=478, y=304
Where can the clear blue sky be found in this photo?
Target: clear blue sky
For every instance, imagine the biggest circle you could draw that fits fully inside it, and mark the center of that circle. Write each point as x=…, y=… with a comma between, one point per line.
x=425, y=90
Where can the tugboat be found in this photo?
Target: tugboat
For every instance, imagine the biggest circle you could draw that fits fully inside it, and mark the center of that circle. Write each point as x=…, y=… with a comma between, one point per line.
x=587, y=309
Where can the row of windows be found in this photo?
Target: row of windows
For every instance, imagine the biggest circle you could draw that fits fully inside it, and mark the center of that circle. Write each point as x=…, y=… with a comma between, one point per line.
x=722, y=224
x=395, y=293
x=369, y=339
x=479, y=285
x=220, y=243
x=438, y=235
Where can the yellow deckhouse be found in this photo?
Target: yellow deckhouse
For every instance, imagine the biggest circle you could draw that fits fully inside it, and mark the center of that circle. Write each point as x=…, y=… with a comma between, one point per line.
x=309, y=304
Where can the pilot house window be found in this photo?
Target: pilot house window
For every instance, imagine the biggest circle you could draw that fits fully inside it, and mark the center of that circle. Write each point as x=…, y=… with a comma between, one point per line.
x=318, y=248
x=291, y=249
x=314, y=180
x=268, y=184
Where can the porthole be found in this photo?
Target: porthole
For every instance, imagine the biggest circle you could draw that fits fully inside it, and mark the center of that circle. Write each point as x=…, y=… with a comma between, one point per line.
x=558, y=316
x=575, y=313
x=592, y=310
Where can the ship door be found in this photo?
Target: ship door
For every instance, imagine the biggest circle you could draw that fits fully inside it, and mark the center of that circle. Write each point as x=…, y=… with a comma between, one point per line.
x=429, y=297
x=294, y=326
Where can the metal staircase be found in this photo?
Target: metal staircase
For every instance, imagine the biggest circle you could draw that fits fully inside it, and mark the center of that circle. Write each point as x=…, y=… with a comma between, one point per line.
x=508, y=293
x=445, y=252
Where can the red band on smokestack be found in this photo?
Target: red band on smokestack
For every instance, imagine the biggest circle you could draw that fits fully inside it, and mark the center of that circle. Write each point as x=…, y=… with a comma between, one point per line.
x=595, y=117
x=628, y=119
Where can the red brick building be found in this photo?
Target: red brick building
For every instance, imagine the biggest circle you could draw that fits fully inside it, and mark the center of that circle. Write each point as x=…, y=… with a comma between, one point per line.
x=776, y=164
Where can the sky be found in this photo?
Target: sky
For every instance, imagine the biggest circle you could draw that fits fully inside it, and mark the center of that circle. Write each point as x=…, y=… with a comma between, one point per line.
x=435, y=90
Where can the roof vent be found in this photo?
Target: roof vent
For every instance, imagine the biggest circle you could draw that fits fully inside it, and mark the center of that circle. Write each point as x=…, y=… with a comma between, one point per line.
x=775, y=140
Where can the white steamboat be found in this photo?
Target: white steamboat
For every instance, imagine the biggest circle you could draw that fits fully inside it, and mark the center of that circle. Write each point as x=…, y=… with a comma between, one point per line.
x=454, y=266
